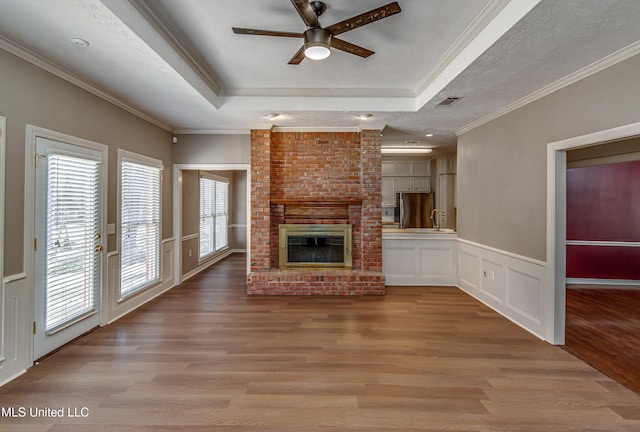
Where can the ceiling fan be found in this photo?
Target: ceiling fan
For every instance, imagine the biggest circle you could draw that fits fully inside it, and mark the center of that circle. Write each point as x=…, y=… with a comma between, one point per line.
x=319, y=40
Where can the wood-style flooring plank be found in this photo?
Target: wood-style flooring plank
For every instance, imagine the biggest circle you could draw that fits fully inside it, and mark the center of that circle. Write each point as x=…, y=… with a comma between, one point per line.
x=206, y=357
x=603, y=329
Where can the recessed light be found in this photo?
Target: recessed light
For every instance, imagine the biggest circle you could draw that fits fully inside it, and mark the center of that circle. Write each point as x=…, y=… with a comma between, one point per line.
x=364, y=116
x=429, y=135
x=272, y=116
x=80, y=43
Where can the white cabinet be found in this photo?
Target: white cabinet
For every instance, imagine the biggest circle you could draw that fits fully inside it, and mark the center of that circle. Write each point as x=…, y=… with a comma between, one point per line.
x=404, y=176
x=410, y=168
x=446, y=165
x=412, y=184
x=388, y=192
x=421, y=184
x=419, y=259
x=446, y=193
x=422, y=168
x=403, y=184
x=446, y=200
x=388, y=168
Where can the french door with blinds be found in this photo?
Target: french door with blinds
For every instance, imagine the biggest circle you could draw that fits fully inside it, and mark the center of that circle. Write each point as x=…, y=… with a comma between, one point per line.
x=68, y=243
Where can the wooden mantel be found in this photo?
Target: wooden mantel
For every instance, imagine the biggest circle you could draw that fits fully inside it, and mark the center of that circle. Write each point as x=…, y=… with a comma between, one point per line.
x=321, y=209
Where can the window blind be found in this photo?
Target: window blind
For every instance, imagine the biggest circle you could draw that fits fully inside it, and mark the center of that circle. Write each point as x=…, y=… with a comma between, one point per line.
x=73, y=220
x=222, y=215
x=214, y=216
x=140, y=226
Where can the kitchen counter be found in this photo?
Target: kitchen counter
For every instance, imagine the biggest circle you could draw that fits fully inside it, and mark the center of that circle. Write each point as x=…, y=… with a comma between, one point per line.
x=419, y=256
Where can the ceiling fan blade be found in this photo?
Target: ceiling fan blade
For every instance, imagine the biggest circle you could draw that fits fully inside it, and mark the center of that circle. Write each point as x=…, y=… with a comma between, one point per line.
x=350, y=48
x=297, y=57
x=257, y=32
x=306, y=12
x=364, y=19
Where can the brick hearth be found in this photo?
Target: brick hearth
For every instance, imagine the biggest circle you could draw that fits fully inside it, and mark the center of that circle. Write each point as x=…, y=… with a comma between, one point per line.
x=316, y=167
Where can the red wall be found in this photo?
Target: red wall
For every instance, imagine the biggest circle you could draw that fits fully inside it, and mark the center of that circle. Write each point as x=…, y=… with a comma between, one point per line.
x=603, y=204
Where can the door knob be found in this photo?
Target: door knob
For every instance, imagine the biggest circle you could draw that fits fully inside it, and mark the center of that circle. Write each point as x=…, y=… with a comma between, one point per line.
x=99, y=248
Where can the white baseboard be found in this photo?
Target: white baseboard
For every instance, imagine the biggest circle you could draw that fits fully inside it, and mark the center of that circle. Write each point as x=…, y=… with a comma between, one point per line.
x=12, y=377
x=205, y=265
x=617, y=282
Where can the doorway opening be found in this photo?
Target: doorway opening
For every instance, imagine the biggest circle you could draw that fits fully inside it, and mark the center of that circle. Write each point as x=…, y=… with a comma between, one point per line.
x=557, y=220
x=181, y=172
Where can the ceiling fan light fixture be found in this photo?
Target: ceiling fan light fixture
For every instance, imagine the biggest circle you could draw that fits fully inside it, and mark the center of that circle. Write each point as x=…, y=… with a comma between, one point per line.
x=317, y=43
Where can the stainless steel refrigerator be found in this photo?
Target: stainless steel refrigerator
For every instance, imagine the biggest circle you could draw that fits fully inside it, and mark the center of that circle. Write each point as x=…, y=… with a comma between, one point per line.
x=414, y=209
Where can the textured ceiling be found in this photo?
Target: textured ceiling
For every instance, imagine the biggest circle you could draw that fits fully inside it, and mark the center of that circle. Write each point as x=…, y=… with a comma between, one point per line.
x=179, y=64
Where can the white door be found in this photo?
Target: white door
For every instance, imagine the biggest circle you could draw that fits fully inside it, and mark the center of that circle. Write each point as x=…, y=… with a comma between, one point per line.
x=68, y=243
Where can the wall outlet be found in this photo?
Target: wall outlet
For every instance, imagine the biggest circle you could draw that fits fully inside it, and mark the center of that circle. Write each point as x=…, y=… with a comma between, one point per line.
x=189, y=252
x=492, y=275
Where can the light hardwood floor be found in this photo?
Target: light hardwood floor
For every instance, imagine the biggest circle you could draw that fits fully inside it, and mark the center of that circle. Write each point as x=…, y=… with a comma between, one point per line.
x=205, y=357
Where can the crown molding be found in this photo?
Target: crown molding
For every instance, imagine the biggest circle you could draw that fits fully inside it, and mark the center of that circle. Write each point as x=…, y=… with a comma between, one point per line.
x=316, y=129
x=151, y=15
x=499, y=19
x=318, y=92
x=217, y=131
x=482, y=20
x=60, y=72
x=587, y=71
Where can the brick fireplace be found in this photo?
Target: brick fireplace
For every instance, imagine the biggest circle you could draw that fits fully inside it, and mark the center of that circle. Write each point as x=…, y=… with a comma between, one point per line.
x=316, y=178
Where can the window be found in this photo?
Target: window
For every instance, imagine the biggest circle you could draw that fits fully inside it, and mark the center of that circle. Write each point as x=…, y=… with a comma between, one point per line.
x=140, y=184
x=214, y=214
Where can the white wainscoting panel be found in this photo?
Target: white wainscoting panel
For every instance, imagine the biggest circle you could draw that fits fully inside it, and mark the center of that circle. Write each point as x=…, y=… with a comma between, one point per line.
x=16, y=338
x=116, y=309
x=468, y=271
x=427, y=259
x=492, y=279
x=512, y=285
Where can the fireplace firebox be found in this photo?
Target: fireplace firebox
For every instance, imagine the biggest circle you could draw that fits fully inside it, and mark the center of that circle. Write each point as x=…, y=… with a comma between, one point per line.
x=315, y=246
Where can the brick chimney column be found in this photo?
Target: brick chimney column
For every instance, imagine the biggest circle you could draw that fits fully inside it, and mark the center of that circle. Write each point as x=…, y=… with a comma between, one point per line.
x=371, y=183
x=260, y=200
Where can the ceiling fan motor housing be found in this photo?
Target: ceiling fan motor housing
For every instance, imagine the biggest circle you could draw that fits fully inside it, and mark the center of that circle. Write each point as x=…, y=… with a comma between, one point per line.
x=316, y=43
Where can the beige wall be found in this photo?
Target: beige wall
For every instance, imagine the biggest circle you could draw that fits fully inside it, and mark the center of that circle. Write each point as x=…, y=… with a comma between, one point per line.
x=502, y=164
x=30, y=95
x=239, y=202
x=210, y=149
x=631, y=145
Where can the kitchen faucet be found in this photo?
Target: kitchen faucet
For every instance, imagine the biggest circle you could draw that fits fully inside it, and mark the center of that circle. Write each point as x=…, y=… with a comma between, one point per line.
x=436, y=225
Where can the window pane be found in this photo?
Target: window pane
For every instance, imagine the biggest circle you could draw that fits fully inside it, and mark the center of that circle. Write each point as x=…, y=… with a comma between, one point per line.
x=221, y=215
x=214, y=216
x=72, y=223
x=207, y=194
x=140, y=226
